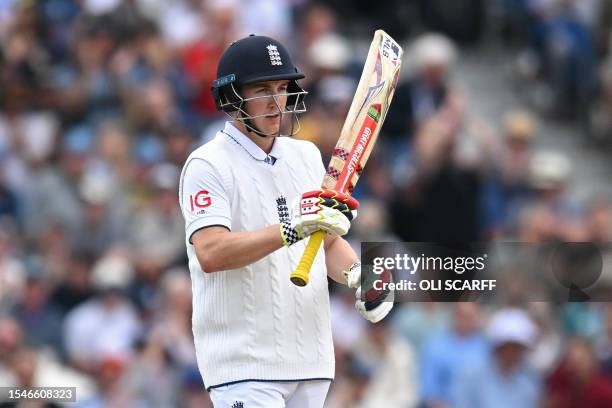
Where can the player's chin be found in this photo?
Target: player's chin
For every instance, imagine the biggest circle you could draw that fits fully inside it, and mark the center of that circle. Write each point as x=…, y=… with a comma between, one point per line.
x=271, y=125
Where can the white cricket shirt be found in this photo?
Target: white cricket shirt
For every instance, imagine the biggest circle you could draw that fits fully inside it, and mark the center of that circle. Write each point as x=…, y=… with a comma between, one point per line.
x=252, y=323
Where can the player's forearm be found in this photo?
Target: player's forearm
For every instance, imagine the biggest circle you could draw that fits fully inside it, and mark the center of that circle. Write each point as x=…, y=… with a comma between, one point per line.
x=339, y=256
x=225, y=250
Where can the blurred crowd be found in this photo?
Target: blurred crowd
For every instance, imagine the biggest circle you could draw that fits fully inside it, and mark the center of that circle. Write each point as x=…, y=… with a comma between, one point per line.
x=101, y=101
x=565, y=65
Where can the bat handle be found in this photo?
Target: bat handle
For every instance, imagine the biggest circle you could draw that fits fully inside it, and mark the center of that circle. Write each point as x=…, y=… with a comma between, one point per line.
x=300, y=276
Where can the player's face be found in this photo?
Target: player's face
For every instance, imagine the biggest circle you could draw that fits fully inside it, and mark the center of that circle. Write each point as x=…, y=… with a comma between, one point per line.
x=270, y=101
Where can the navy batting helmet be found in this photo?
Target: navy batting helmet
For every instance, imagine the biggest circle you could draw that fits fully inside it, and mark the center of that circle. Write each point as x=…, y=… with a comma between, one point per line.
x=255, y=59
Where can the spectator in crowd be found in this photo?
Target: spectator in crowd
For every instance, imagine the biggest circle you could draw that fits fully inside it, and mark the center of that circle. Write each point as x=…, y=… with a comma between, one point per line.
x=75, y=288
x=549, y=174
x=106, y=326
x=206, y=47
x=11, y=336
x=53, y=198
x=548, y=345
x=168, y=344
x=347, y=329
x=351, y=386
x=603, y=345
x=112, y=391
x=332, y=90
x=12, y=269
x=150, y=375
x=446, y=180
x=393, y=380
x=571, y=56
x=446, y=352
x=508, y=184
x=562, y=57
x=416, y=322
x=583, y=319
x=315, y=20
x=9, y=206
x=502, y=379
x=153, y=231
x=373, y=222
x=424, y=92
x=578, y=381
x=172, y=327
x=38, y=317
x=24, y=366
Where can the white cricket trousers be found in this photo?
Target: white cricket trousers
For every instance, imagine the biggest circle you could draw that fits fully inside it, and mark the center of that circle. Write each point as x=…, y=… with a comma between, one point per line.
x=255, y=394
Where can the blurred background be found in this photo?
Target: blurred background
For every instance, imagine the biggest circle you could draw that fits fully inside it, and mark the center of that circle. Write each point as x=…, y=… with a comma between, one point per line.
x=500, y=129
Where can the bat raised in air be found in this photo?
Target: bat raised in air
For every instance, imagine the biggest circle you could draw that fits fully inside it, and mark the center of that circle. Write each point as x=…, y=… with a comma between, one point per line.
x=361, y=127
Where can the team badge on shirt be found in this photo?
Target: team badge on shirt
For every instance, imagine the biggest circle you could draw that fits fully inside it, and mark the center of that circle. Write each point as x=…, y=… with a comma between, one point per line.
x=282, y=209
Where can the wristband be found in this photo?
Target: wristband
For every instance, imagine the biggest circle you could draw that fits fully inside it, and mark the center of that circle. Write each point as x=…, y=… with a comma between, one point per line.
x=288, y=234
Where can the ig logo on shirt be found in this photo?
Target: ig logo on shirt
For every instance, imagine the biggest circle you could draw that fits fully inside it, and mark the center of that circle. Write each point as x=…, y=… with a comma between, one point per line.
x=199, y=201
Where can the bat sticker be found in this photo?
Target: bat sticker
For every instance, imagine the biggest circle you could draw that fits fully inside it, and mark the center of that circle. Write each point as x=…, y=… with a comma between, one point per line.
x=373, y=92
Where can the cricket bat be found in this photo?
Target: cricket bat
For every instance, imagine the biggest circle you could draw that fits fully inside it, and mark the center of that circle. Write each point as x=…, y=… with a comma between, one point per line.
x=361, y=127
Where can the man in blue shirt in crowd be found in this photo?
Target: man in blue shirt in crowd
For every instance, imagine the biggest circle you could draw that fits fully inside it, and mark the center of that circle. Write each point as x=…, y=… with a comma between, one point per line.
x=446, y=353
x=503, y=380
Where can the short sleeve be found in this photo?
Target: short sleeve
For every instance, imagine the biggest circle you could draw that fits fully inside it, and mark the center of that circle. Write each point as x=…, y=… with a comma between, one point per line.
x=204, y=201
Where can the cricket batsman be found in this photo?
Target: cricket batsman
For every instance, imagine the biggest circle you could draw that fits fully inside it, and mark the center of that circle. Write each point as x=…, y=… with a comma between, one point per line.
x=260, y=340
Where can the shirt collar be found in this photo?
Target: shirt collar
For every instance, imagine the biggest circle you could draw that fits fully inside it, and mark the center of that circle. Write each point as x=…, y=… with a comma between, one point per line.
x=250, y=146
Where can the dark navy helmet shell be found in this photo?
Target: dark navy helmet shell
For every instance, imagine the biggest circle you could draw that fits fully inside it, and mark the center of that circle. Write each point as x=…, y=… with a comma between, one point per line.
x=257, y=58
x=249, y=60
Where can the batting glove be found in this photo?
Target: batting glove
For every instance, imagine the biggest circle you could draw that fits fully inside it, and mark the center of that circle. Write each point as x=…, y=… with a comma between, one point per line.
x=319, y=210
x=374, y=306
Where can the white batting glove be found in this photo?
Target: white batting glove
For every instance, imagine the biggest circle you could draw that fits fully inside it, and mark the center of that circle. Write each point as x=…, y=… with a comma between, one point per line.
x=375, y=306
x=322, y=218
x=321, y=210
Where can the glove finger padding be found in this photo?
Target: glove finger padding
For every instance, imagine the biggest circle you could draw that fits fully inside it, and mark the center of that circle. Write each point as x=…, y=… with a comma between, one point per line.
x=351, y=202
x=340, y=206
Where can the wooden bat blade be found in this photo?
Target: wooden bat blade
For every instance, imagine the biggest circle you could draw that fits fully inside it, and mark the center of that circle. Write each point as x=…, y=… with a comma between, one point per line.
x=360, y=131
x=366, y=114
